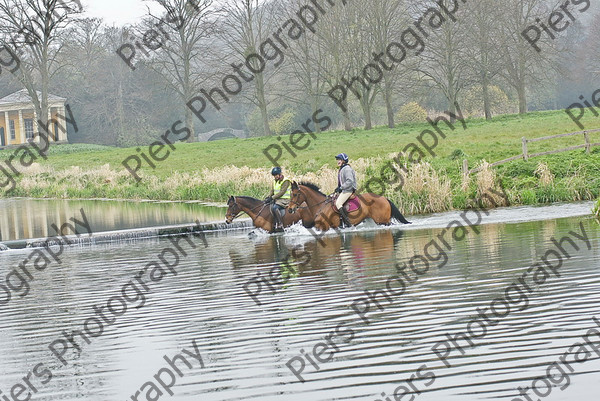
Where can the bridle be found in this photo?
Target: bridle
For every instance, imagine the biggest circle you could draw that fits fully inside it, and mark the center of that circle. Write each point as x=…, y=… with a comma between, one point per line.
x=327, y=199
x=235, y=216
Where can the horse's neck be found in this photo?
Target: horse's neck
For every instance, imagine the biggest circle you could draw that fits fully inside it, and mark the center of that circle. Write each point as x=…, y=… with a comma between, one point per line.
x=314, y=200
x=250, y=210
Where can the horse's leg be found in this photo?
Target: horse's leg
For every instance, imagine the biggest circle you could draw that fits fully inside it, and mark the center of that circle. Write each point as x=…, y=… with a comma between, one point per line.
x=332, y=218
x=382, y=214
x=267, y=220
x=262, y=222
x=290, y=219
x=322, y=222
x=378, y=208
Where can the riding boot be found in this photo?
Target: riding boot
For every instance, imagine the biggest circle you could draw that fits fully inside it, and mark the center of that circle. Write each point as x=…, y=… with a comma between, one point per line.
x=278, y=223
x=344, y=217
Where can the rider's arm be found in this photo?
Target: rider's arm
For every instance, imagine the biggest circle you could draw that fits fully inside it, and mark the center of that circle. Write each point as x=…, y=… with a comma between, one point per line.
x=284, y=188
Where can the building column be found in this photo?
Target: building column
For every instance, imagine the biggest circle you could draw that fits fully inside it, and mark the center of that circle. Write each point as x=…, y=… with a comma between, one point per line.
x=7, y=129
x=51, y=134
x=63, y=133
x=36, y=130
x=22, y=136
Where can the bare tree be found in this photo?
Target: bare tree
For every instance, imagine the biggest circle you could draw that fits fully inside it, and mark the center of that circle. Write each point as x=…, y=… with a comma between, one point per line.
x=483, y=42
x=33, y=28
x=181, y=60
x=592, y=51
x=247, y=25
x=334, y=41
x=303, y=64
x=445, y=60
x=523, y=65
x=387, y=19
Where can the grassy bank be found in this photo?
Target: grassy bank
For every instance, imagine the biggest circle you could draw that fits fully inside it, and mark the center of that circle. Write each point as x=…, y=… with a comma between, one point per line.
x=212, y=171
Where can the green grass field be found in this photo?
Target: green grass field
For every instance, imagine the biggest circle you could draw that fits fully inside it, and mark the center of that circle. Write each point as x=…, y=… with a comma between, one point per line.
x=204, y=170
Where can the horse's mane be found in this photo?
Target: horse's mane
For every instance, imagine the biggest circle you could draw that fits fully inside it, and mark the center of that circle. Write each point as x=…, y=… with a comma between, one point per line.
x=312, y=186
x=248, y=198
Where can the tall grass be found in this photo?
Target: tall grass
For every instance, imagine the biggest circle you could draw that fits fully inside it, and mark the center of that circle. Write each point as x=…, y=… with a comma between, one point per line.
x=199, y=171
x=426, y=187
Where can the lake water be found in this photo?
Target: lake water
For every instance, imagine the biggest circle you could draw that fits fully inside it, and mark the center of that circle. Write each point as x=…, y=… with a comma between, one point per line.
x=32, y=218
x=245, y=346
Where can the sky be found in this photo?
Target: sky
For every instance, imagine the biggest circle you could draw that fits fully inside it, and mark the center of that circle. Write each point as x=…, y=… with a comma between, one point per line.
x=117, y=12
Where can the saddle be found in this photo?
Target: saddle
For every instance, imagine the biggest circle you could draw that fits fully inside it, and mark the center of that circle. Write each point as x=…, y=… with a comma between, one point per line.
x=352, y=205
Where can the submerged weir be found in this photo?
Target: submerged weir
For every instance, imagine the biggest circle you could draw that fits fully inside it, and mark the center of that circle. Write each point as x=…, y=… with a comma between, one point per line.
x=118, y=236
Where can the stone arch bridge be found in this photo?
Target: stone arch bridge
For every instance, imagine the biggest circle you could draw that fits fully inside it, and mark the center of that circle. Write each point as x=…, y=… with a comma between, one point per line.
x=221, y=133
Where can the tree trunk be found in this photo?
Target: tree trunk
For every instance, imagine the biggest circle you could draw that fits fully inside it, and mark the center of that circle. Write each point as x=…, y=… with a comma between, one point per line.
x=387, y=94
x=43, y=116
x=522, y=98
x=486, y=98
x=452, y=104
x=262, y=104
x=187, y=94
x=347, y=122
x=315, y=107
x=189, y=123
x=367, y=112
x=452, y=95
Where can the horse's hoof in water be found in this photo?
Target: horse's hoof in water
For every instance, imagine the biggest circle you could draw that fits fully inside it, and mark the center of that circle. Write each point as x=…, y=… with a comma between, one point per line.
x=252, y=235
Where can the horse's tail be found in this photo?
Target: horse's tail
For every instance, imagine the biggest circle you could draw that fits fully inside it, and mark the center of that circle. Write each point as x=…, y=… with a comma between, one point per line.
x=397, y=215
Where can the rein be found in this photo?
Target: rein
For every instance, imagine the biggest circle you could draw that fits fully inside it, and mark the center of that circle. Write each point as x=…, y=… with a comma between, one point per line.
x=264, y=204
x=327, y=199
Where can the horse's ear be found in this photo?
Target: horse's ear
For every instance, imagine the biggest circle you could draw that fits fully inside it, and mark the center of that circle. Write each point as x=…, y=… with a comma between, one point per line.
x=294, y=185
x=230, y=199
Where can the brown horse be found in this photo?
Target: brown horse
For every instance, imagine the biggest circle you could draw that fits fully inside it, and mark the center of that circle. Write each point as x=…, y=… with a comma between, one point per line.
x=322, y=207
x=260, y=213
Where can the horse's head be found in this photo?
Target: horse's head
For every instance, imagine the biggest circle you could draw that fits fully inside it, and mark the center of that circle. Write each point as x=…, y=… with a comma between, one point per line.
x=233, y=209
x=297, y=198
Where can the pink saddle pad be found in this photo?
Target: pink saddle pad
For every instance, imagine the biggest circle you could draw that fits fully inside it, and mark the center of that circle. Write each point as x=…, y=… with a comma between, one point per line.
x=352, y=205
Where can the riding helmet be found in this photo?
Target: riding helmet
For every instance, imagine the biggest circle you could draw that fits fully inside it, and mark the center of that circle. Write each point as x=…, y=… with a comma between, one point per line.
x=342, y=156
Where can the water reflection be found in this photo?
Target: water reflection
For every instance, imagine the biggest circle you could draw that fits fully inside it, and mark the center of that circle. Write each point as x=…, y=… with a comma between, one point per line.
x=352, y=251
x=247, y=346
x=32, y=218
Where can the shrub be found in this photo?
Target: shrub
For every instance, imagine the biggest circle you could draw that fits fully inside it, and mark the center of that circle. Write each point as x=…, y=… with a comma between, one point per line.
x=254, y=123
x=499, y=102
x=411, y=113
x=457, y=154
x=284, y=123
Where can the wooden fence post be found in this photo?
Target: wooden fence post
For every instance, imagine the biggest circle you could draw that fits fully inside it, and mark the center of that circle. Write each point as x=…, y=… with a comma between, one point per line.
x=588, y=146
x=465, y=168
x=525, y=156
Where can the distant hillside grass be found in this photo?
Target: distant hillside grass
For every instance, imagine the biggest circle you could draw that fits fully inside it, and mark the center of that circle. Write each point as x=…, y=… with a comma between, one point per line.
x=213, y=170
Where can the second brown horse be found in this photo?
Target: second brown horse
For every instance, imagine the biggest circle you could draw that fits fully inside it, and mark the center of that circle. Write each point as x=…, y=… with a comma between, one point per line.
x=322, y=207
